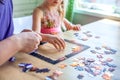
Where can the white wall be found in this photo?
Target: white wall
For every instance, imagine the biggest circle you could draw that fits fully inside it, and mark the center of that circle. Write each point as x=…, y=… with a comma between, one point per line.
x=24, y=7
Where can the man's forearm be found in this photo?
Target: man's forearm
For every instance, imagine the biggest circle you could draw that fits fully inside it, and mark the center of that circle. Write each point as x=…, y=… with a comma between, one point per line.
x=8, y=48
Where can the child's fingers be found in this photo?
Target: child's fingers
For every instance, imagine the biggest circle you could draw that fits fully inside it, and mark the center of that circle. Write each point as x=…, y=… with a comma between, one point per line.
x=56, y=46
x=69, y=28
x=61, y=43
x=77, y=27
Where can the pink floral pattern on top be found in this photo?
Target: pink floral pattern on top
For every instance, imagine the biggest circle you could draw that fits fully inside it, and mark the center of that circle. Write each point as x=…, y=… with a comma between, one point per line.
x=51, y=23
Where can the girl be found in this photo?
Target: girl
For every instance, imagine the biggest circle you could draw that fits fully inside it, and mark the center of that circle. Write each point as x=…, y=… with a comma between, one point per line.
x=49, y=17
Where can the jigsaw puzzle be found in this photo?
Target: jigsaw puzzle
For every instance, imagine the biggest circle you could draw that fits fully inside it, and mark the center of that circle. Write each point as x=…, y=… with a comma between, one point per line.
x=48, y=53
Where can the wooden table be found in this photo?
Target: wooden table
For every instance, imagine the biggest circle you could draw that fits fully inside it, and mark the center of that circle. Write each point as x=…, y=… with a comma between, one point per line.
x=107, y=30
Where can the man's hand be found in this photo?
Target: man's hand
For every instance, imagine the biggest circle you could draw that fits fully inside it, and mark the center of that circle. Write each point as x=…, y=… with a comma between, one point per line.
x=29, y=41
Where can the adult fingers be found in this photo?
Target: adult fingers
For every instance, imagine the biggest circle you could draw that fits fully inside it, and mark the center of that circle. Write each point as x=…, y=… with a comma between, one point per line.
x=38, y=37
x=26, y=30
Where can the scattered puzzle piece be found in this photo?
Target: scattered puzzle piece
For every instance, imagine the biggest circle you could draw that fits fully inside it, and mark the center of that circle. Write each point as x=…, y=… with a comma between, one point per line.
x=84, y=39
x=107, y=76
x=12, y=59
x=81, y=64
x=97, y=37
x=97, y=48
x=88, y=35
x=93, y=51
x=48, y=78
x=80, y=76
x=79, y=68
x=90, y=60
x=28, y=67
x=74, y=64
x=55, y=75
x=62, y=66
x=109, y=60
x=76, y=49
x=111, y=69
x=44, y=70
x=99, y=56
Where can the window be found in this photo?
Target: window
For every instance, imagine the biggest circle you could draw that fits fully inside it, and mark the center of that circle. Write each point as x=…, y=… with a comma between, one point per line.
x=108, y=6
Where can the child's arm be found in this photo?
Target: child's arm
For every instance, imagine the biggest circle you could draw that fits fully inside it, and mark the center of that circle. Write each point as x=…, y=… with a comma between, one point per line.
x=37, y=15
x=70, y=26
x=56, y=41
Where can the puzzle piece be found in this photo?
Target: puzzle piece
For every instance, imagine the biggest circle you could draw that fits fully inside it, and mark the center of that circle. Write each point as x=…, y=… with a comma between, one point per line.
x=62, y=66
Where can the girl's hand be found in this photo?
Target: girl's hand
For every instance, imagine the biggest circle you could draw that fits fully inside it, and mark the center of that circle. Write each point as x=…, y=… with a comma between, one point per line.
x=76, y=27
x=69, y=27
x=55, y=40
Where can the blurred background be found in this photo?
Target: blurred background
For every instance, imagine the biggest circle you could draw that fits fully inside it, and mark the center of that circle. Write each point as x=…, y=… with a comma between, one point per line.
x=77, y=11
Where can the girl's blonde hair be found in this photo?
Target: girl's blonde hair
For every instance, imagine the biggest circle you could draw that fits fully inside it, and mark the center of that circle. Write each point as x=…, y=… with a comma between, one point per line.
x=61, y=9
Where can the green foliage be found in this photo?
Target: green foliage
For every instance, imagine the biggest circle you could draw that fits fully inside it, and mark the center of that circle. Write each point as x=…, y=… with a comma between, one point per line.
x=69, y=11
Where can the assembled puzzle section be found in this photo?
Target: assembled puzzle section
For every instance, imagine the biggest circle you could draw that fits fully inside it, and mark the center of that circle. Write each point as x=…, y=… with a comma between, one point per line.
x=48, y=53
